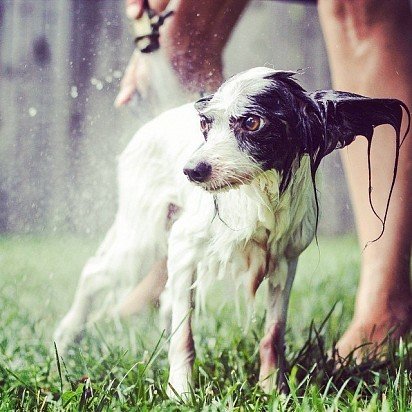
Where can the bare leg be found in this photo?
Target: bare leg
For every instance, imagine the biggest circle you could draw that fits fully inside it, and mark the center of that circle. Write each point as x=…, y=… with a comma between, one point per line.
x=272, y=346
x=147, y=291
x=369, y=44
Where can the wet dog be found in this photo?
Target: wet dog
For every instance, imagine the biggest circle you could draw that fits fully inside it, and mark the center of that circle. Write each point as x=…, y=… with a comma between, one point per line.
x=236, y=198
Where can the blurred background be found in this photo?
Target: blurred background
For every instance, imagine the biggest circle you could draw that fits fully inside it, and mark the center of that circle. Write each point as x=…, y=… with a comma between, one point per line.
x=61, y=62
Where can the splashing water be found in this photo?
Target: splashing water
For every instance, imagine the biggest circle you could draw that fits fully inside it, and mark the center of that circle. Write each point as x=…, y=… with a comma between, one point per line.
x=163, y=89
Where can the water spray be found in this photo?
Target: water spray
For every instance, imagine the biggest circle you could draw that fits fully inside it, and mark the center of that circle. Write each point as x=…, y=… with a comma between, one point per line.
x=164, y=90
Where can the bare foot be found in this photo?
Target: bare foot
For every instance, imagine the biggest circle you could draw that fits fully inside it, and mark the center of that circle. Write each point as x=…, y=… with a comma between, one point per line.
x=367, y=337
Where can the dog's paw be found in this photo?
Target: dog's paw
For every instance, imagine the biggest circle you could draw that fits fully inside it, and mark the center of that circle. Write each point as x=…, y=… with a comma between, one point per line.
x=179, y=387
x=67, y=333
x=275, y=382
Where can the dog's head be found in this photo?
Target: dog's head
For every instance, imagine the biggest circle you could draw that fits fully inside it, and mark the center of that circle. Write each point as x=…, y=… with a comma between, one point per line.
x=263, y=119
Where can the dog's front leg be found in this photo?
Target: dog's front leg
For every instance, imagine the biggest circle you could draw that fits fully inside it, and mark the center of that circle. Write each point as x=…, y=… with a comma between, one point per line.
x=272, y=346
x=181, y=268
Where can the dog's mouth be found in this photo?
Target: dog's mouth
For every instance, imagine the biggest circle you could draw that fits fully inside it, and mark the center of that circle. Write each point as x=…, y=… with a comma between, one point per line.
x=220, y=188
x=226, y=185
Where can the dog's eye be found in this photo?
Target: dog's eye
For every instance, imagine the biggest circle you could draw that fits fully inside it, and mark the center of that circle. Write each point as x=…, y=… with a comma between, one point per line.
x=252, y=123
x=204, y=124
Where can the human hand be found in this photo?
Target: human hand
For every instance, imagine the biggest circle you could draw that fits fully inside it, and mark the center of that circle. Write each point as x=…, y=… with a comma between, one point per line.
x=136, y=77
x=193, y=41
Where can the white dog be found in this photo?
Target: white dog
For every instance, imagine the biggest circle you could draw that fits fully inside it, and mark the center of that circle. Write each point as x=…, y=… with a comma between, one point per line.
x=249, y=215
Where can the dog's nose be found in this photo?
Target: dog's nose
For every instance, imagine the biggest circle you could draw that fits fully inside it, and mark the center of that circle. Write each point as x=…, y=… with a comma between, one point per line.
x=199, y=173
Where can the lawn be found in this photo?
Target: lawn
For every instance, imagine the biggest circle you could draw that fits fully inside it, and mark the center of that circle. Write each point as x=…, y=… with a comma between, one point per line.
x=122, y=367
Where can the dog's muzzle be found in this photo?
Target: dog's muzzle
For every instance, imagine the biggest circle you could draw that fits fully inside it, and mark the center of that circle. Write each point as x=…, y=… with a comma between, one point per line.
x=199, y=172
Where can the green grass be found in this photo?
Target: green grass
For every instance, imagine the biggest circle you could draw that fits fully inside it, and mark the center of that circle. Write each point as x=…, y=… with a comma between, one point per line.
x=124, y=367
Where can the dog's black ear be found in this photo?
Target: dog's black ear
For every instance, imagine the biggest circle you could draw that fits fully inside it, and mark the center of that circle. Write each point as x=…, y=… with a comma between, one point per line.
x=343, y=116
x=202, y=103
x=336, y=118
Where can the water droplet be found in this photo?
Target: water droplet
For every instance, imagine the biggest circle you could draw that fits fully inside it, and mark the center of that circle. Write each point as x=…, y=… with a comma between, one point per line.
x=73, y=92
x=117, y=74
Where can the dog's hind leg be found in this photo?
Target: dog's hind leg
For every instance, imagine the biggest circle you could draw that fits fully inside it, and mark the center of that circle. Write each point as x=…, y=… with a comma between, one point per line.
x=131, y=248
x=135, y=242
x=104, y=278
x=272, y=346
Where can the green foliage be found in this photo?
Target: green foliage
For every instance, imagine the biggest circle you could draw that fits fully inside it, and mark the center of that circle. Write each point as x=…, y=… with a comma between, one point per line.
x=124, y=367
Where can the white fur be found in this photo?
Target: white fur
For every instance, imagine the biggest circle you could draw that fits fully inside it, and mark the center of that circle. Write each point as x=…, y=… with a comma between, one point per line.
x=257, y=233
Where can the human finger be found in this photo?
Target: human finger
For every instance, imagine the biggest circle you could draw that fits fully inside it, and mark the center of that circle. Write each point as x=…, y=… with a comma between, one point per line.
x=134, y=9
